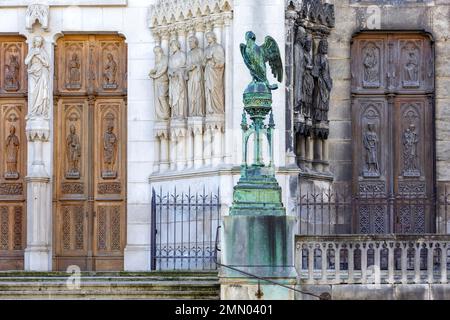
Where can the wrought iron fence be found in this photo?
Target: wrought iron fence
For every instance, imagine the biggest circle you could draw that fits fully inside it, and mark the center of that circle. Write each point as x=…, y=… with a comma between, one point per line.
x=327, y=213
x=183, y=230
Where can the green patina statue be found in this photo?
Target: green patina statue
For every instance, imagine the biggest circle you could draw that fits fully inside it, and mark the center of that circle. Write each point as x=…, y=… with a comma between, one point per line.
x=255, y=58
x=258, y=192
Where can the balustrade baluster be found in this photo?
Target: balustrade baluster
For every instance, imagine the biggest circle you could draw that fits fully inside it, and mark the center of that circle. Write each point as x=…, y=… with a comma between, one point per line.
x=364, y=248
x=443, y=247
x=337, y=262
x=311, y=261
x=391, y=248
x=417, y=264
x=404, y=257
x=377, y=264
x=351, y=262
x=430, y=265
x=324, y=262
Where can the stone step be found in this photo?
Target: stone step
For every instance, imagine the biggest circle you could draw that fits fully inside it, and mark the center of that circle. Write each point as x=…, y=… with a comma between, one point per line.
x=111, y=285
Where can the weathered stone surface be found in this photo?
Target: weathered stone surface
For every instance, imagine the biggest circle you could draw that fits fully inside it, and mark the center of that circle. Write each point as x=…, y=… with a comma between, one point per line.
x=362, y=292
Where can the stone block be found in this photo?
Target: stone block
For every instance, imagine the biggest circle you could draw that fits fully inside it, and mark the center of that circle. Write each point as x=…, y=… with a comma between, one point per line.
x=340, y=150
x=340, y=130
x=113, y=19
x=140, y=131
x=314, y=289
x=138, y=233
x=440, y=291
x=363, y=292
x=442, y=150
x=412, y=292
x=139, y=193
x=139, y=151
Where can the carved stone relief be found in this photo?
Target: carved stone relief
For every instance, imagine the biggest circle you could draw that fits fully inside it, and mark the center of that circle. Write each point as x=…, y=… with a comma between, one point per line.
x=38, y=64
x=410, y=141
x=177, y=81
x=74, y=65
x=37, y=12
x=196, y=90
x=161, y=84
x=214, y=72
x=324, y=82
x=12, y=68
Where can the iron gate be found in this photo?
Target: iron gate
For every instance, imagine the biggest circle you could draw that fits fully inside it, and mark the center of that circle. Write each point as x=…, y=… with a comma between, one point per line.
x=184, y=230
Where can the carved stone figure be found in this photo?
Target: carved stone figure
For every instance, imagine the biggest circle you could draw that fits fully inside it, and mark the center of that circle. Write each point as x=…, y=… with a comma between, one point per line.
x=177, y=81
x=12, y=74
x=196, y=90
x=73, y=154
x=39, y=72
x=324, y=83
x=308, y=80
x=74, y=72
x=12, y=152
x=214, y=63
x=161, y=84
x=299, y=54
x=371, y=68
x=110, y=73
x=109, y=153
x=411, y=68
x=410, y=141
x=371, y=143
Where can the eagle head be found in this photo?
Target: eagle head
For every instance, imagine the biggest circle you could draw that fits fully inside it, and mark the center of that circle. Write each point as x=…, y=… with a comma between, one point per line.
x=249, y=35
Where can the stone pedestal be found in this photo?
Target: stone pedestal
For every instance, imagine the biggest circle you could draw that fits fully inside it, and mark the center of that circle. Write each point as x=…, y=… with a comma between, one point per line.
x=38, y=253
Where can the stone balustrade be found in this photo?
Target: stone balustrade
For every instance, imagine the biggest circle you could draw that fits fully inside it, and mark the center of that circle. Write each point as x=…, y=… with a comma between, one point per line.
x=374, y=259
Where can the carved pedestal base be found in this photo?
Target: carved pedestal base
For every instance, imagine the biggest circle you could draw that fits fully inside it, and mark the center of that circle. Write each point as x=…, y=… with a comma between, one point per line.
x=38, y=254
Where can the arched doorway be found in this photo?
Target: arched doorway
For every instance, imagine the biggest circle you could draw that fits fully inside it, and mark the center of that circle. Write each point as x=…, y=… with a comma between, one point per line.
x=393, y=132
x=90, y=152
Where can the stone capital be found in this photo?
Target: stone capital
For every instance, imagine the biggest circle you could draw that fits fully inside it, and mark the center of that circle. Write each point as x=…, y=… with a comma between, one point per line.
x=38, y=129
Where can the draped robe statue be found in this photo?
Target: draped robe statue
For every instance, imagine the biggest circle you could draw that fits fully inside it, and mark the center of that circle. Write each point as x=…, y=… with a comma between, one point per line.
x=161, y=84
x=12, y=153
x=39, y=72
x=177, y=81
x=73, y=153
x=324, y=83
x=214, y=63
x=196, y=92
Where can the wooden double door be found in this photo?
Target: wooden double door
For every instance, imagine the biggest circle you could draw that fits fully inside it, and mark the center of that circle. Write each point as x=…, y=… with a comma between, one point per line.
x=13, y=152
x=393, y=132
x=90, y=152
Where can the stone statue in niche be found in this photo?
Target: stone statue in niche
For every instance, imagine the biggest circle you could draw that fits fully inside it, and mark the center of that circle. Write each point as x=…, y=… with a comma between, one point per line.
x=110, y=72
x=196, y=90
x=371, y=67
x=411, y=69
x=410, y=141
x=12, y=153
x=109, y=152
x=299, y=54
x=214, y=63
x=161, y=84
x=371, y=144
x=177, y=81
x=324, y=83
x=73, y=153
x=308, y=79
x=38, y=64
x=74, y=72
x=12, y=74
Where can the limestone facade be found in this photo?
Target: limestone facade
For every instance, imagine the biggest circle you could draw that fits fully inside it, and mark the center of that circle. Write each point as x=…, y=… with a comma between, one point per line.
x=205, y=149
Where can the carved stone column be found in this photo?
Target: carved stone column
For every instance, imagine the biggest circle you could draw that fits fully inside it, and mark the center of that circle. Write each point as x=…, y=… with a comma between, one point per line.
x=195, y=125
x=38, y=252
x=207, y=145
x=161, y=160
x=228, y=120
x=178, y=136
x=215, y=126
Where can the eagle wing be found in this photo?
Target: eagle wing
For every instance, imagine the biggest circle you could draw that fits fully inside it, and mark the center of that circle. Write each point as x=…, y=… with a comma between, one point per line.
x=273, y=56
x=246, y=58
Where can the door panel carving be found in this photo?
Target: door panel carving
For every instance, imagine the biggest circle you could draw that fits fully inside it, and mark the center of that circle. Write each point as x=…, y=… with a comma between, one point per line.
x=393, y=149
x=91, y=152
x=13, y=152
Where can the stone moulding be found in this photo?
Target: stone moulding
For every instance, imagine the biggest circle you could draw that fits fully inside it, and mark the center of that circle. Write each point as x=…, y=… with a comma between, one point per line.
x=168, y=12
x=62, y=3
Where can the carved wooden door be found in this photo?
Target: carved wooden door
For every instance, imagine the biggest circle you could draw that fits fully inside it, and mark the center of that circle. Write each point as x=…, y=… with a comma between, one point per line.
x=90, y=152
x=13, y=154
x=393, y=137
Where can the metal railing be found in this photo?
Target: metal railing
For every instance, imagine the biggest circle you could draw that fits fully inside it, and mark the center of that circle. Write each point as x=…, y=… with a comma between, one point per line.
x=183, y=227
x=377, y=259
x=327, y=212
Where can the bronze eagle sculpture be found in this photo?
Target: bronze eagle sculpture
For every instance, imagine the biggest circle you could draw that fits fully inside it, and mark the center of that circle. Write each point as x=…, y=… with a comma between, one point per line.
x=255, y=58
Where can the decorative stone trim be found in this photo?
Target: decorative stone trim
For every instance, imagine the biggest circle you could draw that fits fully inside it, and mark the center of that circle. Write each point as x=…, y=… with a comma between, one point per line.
x=37, y=12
